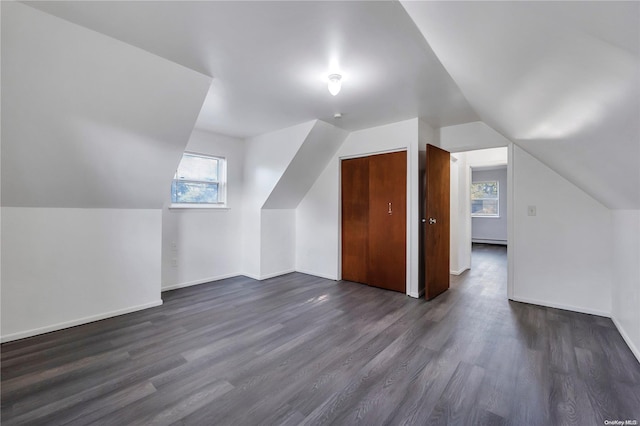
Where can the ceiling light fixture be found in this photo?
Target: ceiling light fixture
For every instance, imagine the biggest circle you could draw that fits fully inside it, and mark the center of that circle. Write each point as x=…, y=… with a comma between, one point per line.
x=335, y=83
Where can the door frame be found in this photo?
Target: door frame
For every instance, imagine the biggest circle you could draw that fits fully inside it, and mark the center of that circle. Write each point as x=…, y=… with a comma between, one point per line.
x=410, y=187
x=510, y=202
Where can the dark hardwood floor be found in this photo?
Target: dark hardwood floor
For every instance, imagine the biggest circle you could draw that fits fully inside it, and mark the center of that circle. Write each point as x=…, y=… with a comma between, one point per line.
x=298, y=349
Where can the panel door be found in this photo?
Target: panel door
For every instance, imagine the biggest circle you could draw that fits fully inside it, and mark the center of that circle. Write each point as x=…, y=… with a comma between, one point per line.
x=355, y=219
x=437, y=224
x=388, y=221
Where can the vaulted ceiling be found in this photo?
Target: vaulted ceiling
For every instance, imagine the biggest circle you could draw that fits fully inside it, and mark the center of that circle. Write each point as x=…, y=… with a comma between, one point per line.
x=270, y=60
x=84, y=116
x=560, y=79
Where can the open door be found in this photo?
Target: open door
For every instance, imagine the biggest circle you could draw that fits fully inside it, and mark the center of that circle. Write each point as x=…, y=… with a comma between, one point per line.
x=437, y=210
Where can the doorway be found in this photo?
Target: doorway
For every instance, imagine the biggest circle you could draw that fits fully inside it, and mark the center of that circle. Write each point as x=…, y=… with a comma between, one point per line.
x=480, y=213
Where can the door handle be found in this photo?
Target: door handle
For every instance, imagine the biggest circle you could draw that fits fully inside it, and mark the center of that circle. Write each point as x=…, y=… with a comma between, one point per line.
x=390, y=211
x=432, y=221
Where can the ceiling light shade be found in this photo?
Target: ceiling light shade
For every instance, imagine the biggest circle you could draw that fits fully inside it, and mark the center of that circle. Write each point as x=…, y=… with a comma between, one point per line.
x=335, y=83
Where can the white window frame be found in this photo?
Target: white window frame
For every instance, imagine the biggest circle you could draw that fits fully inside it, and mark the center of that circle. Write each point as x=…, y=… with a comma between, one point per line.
x=497, y=199
x=222, y=184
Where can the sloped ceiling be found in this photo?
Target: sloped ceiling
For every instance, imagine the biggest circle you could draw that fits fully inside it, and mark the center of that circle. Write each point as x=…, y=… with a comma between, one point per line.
x=270, y=59
x=560, y=79
x=89, y=121
x=310, y=160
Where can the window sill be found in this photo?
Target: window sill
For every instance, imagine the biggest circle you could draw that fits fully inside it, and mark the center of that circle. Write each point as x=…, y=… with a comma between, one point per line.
x=199, y=206
x=486, y=217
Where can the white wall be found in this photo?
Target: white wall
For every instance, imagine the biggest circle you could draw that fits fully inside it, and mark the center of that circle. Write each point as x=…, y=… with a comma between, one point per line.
x=278, y=242
x=318, y=214
x=561, y=256
x=626, y=276
x=205, y=243
x=460, y=246
x=84, y=117
x=317, y=226
x=63, y=267
x=266, y=159
x=492, y=229
x=491, y=157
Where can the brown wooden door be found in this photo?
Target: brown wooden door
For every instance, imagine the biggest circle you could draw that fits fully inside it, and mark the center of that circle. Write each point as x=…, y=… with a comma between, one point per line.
x=355, y=219
x=374, y=212
x=437, y=210
x=388, y=221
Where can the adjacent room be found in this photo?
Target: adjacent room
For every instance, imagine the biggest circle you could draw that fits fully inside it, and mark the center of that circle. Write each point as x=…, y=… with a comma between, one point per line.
x=372, y=212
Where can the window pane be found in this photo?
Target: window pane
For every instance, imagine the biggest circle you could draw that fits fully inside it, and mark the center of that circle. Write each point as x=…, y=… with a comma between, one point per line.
x=484, y=190
x=194, y=192
x=194, y=167
x=484, y=207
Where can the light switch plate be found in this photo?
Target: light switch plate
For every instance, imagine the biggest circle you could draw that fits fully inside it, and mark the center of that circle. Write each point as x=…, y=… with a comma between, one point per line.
x=531, y=210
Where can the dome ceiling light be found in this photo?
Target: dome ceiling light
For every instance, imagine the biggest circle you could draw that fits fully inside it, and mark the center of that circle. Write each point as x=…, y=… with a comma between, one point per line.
x=335, y=83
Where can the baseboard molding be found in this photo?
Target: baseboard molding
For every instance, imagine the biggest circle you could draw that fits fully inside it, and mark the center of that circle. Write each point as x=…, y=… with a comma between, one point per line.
x=79, y=321
x=626, y=338
x=563, y=307
x=276, y=274
x=496, y=242
x=316, y=274
x=414, y=295
x=460, y=271
x=252, y=276
x=202, y=281
x=266, y=276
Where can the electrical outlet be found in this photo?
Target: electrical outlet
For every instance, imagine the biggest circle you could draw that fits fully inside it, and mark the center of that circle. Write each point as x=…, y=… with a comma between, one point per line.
x=174, y=246
x=531, y=210
x=174, y=262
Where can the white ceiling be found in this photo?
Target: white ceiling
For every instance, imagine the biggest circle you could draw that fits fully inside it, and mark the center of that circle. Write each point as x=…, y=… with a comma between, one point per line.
x=560, y=79
x=269, y=60
x=77, y=127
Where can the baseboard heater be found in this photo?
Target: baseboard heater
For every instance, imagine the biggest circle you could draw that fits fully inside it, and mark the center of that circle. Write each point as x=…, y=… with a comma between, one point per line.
x=480, y=241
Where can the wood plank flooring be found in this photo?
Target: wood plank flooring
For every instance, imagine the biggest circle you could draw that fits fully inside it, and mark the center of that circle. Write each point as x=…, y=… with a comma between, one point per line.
x=298, y=349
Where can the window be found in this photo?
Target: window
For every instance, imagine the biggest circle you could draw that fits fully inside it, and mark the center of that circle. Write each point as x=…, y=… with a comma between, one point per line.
x=485, y=199
x=200, y=180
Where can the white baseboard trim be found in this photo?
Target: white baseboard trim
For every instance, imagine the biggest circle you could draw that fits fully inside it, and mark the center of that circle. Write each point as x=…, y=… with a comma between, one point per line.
x=276, y=274
x=252, y=276
x=79, y=321
x=563, y=307
x=267, y=276
x=317, y=274
x=414, y=295
x=497, y=242
x=202, y=281
x=626, y=338
x=459, y=271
